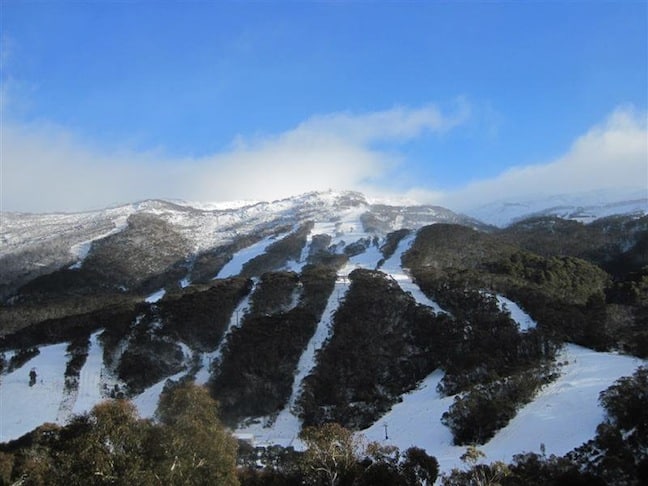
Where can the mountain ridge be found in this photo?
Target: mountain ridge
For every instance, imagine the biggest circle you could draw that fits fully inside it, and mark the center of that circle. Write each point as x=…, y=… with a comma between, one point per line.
x=317, y=308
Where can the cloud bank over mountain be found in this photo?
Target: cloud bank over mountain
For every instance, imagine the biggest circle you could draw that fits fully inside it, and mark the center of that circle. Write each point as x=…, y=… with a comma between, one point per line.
x=48, y=168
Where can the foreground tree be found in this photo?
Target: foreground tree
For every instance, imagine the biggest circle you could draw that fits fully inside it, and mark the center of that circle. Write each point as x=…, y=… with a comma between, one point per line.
x=107, y=446
x=332, y=453
x=195, y=448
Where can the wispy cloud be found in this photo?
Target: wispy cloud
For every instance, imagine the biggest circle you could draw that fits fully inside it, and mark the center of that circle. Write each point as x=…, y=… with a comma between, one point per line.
x=611, y=155
x=46, y=168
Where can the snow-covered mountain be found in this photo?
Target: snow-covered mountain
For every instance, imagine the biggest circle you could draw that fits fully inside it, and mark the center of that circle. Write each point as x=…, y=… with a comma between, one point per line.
x=270, y=303
x=36, y=244
x=581, y=206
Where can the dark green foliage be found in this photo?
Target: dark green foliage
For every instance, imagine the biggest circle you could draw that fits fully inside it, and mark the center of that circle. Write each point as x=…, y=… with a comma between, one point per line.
x=21, y=357
x=617, y=244
x=319, y=246
x=571, y=299
x=200, y=316
x=419, y=467
x=269, y=466
x=115, y=319
x=195, y=449
x=619, y=452
x=317, y=282
x=274, y=293
x=531, y=469
x=111, y=445
x=483, y=343
x=382, y=345
x=78, y=352
x=259, y=361
x=567, y=279
x=122, y=259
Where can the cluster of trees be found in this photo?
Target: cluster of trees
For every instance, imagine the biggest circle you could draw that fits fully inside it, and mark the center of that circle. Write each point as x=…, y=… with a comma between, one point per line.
x=112, y=445
x=260, y=357
x=590, y=292
x=335, y=456
x=381, y=346
x=188, y=445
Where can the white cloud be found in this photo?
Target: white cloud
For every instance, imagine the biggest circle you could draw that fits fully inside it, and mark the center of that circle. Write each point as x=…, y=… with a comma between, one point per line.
x=45, y=168
x=612, y=155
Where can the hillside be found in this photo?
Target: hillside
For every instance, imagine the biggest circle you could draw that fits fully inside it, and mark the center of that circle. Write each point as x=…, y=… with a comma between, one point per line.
x=323, y=308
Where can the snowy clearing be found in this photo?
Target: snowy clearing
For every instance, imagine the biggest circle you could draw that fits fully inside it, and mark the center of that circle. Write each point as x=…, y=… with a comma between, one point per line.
x=393, y=267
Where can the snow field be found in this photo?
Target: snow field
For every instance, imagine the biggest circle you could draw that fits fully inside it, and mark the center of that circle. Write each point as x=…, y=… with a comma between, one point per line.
x=147, y=401
x=563, y=415
x=155, y=296
x=24, y=407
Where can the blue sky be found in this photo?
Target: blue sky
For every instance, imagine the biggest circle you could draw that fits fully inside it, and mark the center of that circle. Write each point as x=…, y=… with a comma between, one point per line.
x=110, y=102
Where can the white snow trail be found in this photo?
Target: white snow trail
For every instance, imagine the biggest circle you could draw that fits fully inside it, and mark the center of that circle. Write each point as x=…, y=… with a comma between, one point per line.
x=394, y=268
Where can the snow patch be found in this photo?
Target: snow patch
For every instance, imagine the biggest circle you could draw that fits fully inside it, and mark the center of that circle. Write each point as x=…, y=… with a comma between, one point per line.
x=394, y=268
x=155, y=296
x=147, y=401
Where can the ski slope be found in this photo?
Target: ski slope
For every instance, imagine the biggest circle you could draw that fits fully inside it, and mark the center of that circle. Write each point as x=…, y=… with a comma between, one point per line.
x=90, y=378
x=240, y=258
x=393, y=267
x=523, y=320
x=24, y=407
x=563, y=415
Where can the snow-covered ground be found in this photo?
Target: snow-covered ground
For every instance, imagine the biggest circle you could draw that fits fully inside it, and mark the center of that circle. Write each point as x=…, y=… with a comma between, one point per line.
x=563, y=415
x=240, y=258
x=393, y=267
x=155, y=296
x=24, y=407
x=147, y=401
x=90, y=378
